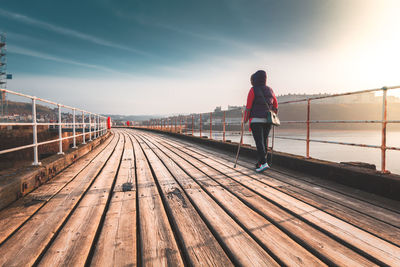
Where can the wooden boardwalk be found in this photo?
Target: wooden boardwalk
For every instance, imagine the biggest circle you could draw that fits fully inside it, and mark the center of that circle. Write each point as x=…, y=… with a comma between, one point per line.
x=149, y=200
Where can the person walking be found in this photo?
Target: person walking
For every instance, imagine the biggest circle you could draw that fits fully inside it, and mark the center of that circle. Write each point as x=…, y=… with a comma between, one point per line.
x=260, y=100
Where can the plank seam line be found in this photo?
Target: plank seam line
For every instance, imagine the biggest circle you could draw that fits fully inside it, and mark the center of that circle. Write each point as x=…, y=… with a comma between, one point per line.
x=338, y=239
x=178, y=239
x=139, y=241
x=103, y=215
x=39, y=258
x=290, y=235
x=44, y=203
x=288, y=183
x=203, y=148
x=138, y=238
x=215, y=234
x=295, y=215
x=291, y=194
x=229, y=214
x=297, y=198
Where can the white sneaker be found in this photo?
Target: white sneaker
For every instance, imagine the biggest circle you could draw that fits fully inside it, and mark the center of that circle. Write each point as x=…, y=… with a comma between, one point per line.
x=263, y=167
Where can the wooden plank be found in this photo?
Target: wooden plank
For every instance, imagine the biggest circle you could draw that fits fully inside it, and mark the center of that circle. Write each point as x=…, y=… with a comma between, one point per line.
x=358, y=218
x=313, y=196
x=74, y=241
x=127, y=173
x=116, y=245
x=157, y=243
x=200, y=246
x=318, y=242
x=376, y=220
x=26, y=245
x=243, y=249
x=378, y=207
x=371, y=245
x=12, y=217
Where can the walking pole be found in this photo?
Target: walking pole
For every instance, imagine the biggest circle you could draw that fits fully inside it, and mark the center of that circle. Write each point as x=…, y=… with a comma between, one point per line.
x=241, y=140
x=273, y=141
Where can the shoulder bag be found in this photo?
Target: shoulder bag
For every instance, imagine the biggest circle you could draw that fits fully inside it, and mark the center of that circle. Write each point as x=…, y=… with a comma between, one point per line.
x=272, y=117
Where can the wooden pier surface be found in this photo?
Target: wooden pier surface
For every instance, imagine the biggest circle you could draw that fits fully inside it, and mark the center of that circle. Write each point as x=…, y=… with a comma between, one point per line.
x=144, y=199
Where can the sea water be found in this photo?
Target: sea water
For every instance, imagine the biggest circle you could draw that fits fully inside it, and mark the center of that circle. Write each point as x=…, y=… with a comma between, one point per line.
x=330, y=152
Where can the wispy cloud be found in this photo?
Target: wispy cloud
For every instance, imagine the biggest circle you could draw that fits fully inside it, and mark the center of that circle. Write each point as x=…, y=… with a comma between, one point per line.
x=68, y=32
x=32, y=53
x=210, y=37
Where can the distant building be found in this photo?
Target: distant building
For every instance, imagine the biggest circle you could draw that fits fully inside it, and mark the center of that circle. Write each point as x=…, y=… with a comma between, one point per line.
x=234, y=107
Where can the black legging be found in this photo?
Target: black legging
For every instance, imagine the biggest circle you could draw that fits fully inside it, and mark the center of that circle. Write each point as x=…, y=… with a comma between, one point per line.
x=260, y=133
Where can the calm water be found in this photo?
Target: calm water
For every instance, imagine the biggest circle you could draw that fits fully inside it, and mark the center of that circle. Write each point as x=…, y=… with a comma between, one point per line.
x=332, y=152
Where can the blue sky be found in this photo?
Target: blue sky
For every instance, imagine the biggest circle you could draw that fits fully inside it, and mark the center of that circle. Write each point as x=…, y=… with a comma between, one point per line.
x=160, y=57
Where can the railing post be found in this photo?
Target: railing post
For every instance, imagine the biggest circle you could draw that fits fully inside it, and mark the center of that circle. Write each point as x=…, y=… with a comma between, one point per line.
x=60, y=130
x=96, y=133
x=192, y=125
x=94, y=126
x=241, y=139
x=90, y=127
x=200, y=125
x=103, y=126
x=34, y=131
x=73, y=127
x=308, y=128
x=210, y=125
x=384, y=124
x=186, y=125
x=223, y=134
x=83, y=128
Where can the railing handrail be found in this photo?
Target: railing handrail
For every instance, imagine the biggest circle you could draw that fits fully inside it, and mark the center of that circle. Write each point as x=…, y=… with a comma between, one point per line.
x=47, y=101
x=341, y=94
x=166, y=123
x=98, y=124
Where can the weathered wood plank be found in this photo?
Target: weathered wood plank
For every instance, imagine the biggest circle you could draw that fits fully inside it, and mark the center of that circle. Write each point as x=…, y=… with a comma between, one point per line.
x=331, y=202
x=117, y=242
x=369, y=244
x=158, y=245
x=74, y=241
x=376, y=206
x=335, y=252
x=12, y=217
x=243, y=248
x=200, y=246
x=374, y=219
x=27, y=244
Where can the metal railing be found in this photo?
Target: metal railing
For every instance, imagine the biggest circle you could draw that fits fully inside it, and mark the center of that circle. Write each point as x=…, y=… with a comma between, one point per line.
x=195, y=122
x=96, y=126
x=384, y=121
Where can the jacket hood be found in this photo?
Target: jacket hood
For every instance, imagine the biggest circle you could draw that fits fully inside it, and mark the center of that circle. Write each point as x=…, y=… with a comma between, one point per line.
x=259, y=78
